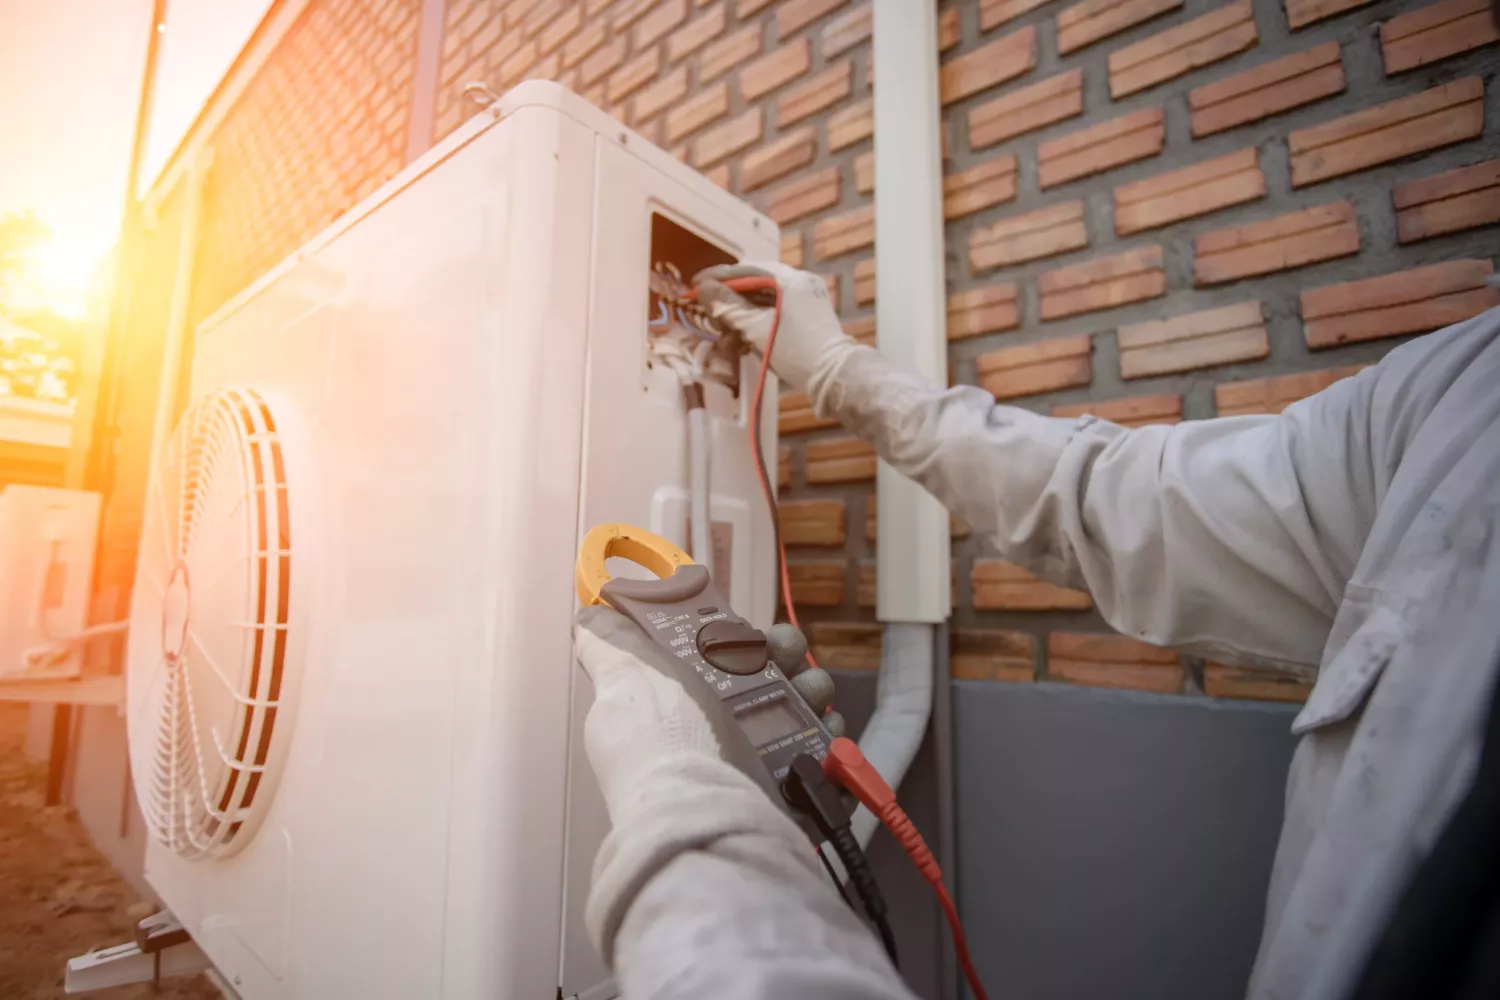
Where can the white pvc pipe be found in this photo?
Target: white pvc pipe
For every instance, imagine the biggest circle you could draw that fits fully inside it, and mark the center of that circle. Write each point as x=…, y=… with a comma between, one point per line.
x=912, y=557
x=698, y=480
x=912, y=570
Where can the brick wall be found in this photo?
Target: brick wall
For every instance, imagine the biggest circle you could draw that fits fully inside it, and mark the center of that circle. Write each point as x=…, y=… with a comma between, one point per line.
x=323, y=125
x=1158, y=210
x=1166, y=210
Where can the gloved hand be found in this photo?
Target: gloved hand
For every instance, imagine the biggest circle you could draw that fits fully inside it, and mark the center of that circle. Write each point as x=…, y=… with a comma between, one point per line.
x=810, y=343
x=659, y=768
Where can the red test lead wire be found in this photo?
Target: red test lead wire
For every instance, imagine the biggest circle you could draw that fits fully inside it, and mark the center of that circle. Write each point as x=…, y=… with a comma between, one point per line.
x=743, y=285
x=851, y=771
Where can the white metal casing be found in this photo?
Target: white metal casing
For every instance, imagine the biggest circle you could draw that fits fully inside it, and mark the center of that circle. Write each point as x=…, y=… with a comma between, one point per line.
x=47, y=539
x=458, y=374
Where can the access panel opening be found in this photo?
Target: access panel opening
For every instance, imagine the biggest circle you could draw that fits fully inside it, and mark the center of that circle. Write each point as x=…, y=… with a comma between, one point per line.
x=681, y=334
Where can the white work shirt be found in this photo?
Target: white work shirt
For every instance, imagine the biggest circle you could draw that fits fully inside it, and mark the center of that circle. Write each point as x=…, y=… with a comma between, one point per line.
x=1353, y=538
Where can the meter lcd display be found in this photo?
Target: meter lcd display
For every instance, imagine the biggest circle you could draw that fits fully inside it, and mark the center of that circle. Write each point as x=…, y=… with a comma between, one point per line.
x=770, y=721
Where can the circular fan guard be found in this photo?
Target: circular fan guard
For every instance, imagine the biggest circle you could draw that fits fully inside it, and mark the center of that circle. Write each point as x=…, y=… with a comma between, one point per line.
x=210, y=628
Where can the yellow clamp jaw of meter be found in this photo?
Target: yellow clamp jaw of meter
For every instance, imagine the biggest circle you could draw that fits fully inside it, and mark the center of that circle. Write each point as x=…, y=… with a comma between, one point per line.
x=606, y=541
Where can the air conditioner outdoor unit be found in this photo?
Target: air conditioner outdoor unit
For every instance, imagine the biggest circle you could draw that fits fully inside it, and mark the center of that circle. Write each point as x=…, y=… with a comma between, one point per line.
x=355, y=718
x=47, y=539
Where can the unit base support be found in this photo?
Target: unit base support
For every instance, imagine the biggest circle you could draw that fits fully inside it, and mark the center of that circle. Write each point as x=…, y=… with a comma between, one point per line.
x=162, y=948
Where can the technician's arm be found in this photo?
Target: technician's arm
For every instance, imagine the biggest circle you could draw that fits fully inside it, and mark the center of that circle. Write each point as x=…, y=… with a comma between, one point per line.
x=703, y=887
x=1233, y=536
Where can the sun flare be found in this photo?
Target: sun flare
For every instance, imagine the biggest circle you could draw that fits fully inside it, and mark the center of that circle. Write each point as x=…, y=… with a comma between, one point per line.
x=62, y=272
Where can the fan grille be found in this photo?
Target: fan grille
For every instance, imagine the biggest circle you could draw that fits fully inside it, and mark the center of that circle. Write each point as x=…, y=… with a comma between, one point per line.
x=210, y=627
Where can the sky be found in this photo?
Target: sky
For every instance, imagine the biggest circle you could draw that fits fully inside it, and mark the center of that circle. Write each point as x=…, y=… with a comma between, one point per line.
x=70, y=76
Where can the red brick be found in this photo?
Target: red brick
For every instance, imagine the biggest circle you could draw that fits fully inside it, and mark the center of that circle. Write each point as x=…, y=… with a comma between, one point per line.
x=1181, y=194
x=696, y=33
x=1219, y=34
x=547, y=69
x=774, y=69
x=850, y=125
x=846, y=645
x=989, y=65
x=596, y=66
x=988, y=309
x=1102, y=283
x=864, y=283
x=562, y=29
x=992, y=655
x=709, y=105
x=1259, y=684
x=1085, y=23
x=1001, y=586
x=1196, y=340
x=1448, y=202
x=993, y=13
x=812, y=522
x=795, y=414
x=839, y=460
x=719, y=175
x=794, y=15
x=847, y=30
x=841, y=234
x=1033, y=369
x=1026, y=109
x=949, y=30
x=864, y=172
x=1017, y=238
x=866, y=593
x=808, y=98
x=512, y=70
x=1436, y=32
x=791, y=250
x=1301, y=13
x=627, y=12
x=1113, y=661
x=817, y=585
x=1434, y=118
x=666, y=15
x=730, y=137
x=790, y=152
x=1109, y=144
x=744, y=8
x=665, y=92
x=1414, y=301
x=1287, y=241
x=784, y=467
x=861, y=329
x=1272, y=395
x=586, y=43
x=634, y=75
x=1269, y=89
x=728, y=52
x=1135, y=411
x=993, y=182
x=804, y=196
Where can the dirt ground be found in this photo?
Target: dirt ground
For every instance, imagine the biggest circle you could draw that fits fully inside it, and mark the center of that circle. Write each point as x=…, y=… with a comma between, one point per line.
x=58, y=896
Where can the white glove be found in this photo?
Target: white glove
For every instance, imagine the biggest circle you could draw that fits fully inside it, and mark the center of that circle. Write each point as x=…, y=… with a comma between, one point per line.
x=810, y=343
x=659, y=767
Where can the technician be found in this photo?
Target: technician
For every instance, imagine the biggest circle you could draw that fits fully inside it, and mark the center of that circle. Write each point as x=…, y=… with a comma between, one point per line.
x=1355, y=535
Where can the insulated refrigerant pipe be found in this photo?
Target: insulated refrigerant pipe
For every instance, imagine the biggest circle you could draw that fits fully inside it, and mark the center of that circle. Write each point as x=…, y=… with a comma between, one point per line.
x=700, y=546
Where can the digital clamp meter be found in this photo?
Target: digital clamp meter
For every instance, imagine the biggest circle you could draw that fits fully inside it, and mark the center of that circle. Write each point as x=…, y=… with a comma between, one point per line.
x=720, y=659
